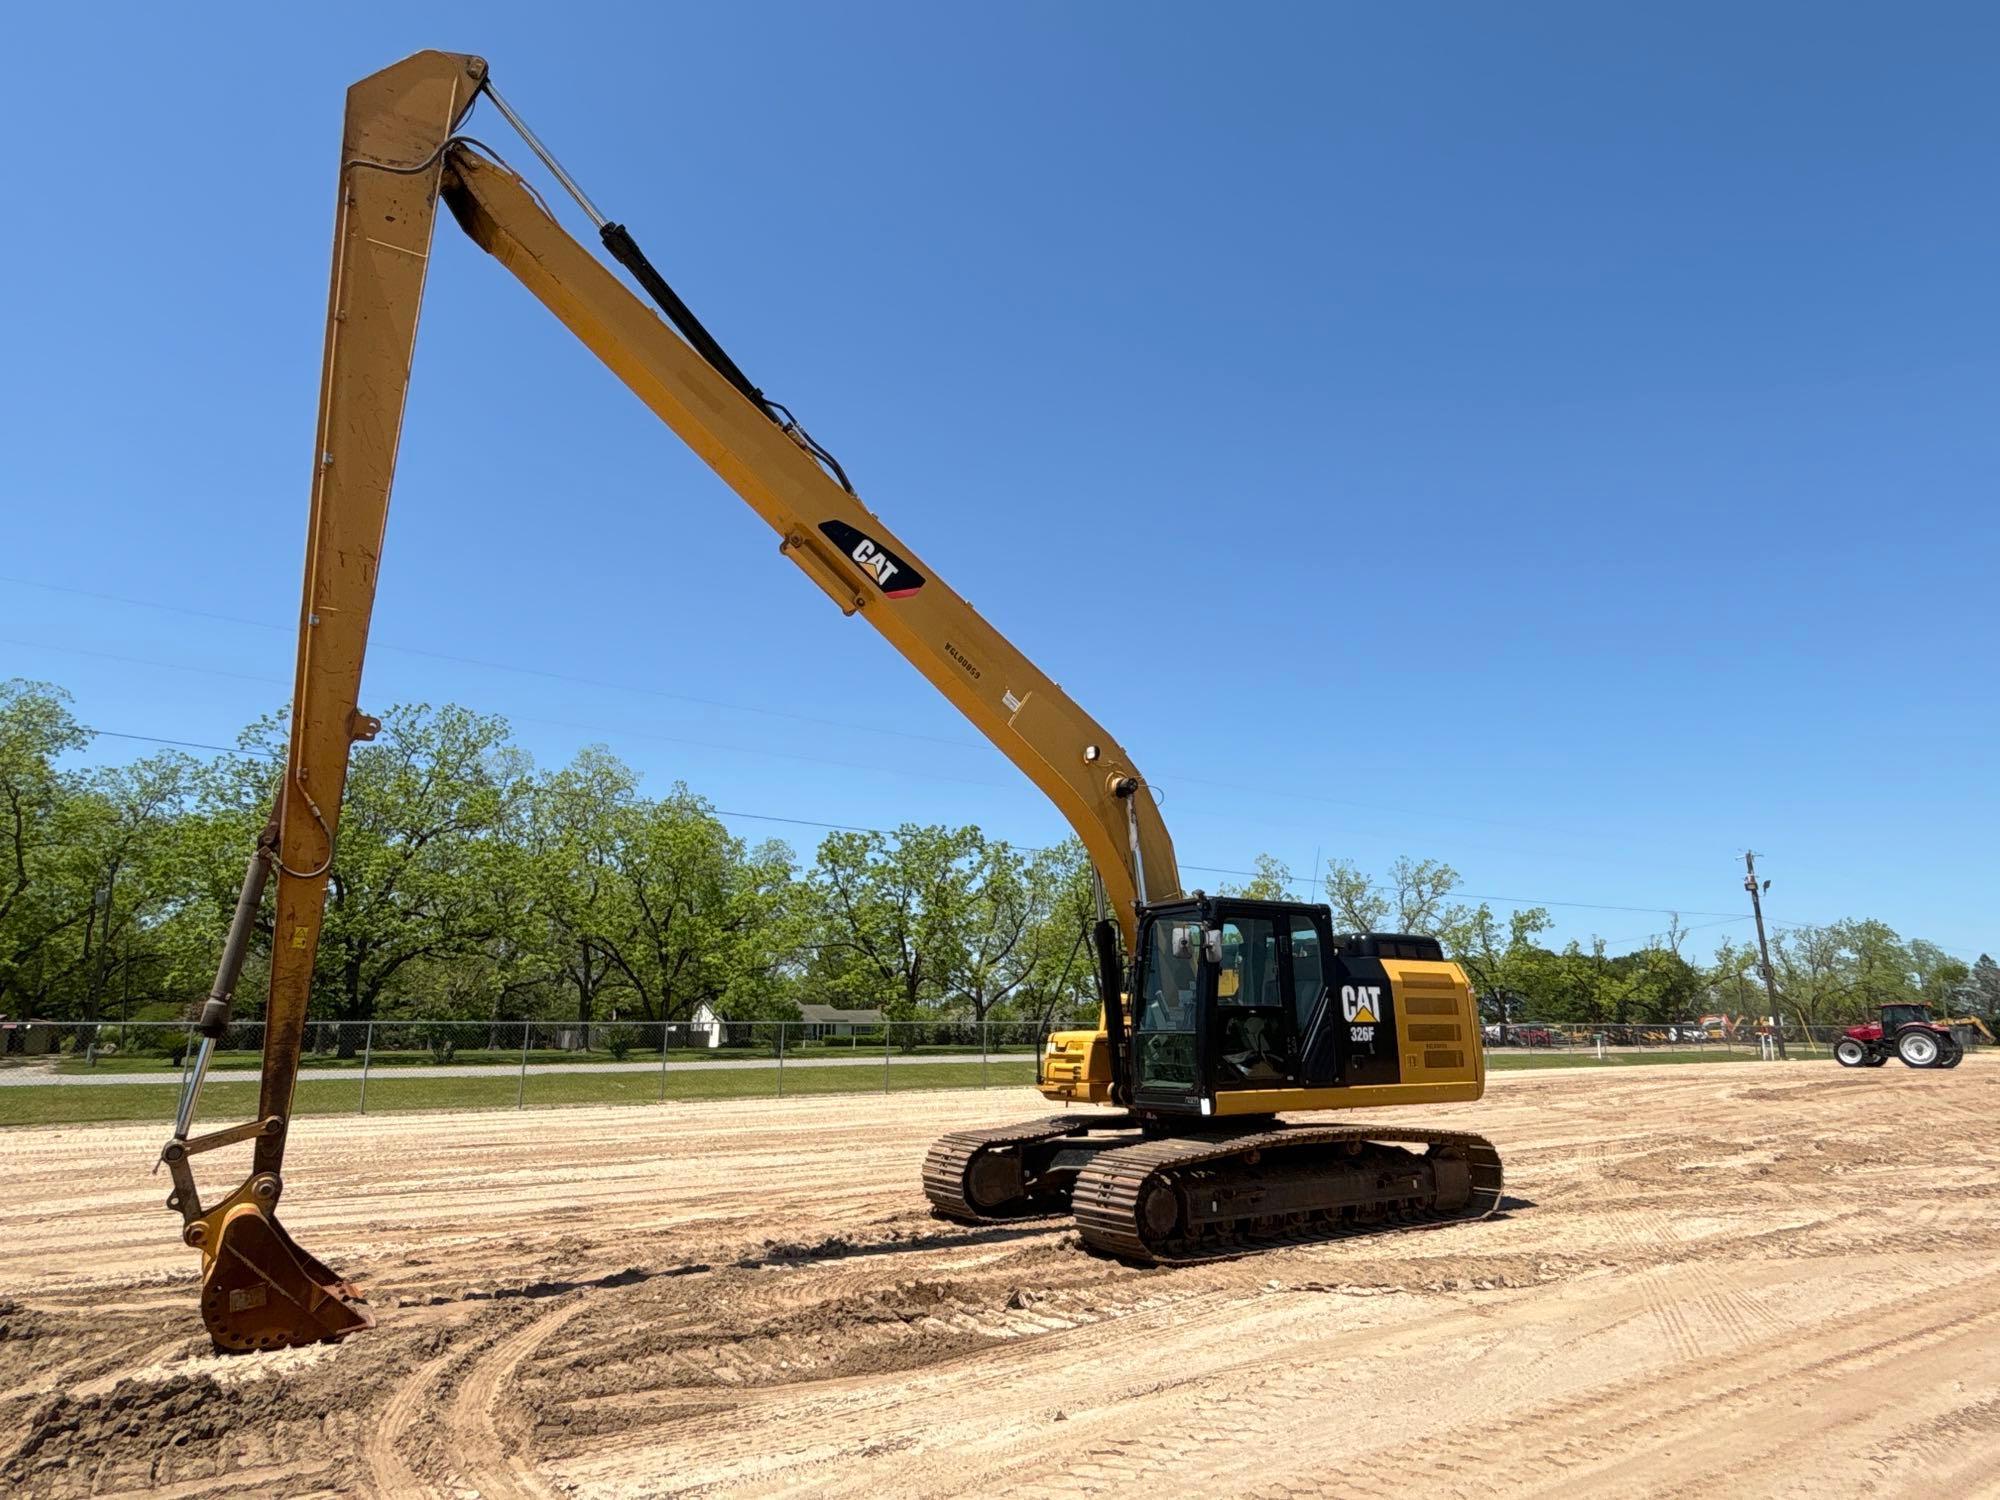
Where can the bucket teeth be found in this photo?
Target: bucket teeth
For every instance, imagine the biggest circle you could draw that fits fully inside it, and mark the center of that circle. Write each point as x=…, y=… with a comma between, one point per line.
x=261, y=1291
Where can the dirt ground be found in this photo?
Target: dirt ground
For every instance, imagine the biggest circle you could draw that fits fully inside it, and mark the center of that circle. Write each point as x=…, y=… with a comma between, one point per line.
x=1761, y=1280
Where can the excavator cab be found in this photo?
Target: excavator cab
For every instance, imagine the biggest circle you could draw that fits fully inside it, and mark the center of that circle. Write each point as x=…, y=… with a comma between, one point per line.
x=1235, y=1002
x=1213, y=1000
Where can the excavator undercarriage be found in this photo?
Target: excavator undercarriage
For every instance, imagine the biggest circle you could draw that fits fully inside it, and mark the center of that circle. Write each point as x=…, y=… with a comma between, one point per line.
x=1154, y=1199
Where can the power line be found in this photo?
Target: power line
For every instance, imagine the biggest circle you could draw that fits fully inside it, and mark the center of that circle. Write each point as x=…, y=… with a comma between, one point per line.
x=492, y=666
x=154, y=739
x=600, y=729
x=1164, y=776
x=1025, y=848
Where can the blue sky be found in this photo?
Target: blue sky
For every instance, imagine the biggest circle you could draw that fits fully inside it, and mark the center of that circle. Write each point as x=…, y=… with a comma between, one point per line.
x=1558, y=439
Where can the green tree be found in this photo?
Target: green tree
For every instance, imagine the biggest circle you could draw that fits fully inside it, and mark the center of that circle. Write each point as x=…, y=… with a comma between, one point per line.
x=1842, y=970
x=1979, y=992
x=37, y=905
x=569, y=829
x=122, y=873
x=1661, y=986
x=1503, y=966
x=1272, y=882
x=1939, y=976
x=1414, y=899
x=889, y=911
x=411, y=871
x=1060, y=979
x=988, y=951
x=709, y=915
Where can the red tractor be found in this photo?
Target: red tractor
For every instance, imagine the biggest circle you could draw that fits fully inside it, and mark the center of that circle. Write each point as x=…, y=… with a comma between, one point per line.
x=1905, y=1031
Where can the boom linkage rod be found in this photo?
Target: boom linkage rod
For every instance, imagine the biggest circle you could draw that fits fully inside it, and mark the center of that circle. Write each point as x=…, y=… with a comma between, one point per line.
x=620, y=245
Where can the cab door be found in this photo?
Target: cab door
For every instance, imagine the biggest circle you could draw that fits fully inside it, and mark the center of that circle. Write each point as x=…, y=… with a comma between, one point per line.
x=1166, y=1019
x=1322, y=1048
x=1252, y=1034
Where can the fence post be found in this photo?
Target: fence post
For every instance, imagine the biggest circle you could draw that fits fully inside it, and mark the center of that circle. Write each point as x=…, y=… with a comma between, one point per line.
x=781, y=1059
x=982, y=1053
x=521, y=1089
x=886, y=1024
x=367, y=1051
x=666, y=1036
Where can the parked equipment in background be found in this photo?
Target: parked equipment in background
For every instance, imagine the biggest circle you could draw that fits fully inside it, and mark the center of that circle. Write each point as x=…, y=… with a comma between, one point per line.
x=1905, y=1031
x=1965, y=1028
x=1217, y=1012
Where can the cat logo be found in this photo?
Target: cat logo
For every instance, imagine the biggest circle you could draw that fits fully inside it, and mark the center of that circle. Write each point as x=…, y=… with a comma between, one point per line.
x=875, y=562
x=893, y=576
x=1359, y=1002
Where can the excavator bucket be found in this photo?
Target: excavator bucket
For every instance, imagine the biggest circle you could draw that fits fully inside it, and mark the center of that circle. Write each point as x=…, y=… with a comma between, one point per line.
x=259, y=1290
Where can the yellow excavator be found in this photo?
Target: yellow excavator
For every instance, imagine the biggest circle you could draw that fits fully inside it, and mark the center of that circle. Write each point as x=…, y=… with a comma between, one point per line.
x=1219, y=1012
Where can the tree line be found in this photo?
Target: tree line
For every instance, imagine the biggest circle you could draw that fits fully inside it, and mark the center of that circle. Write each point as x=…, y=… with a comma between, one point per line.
x=470, y=884
x=1827, y=973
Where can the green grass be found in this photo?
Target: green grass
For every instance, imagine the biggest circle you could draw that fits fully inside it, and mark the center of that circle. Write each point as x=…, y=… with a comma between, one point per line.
x=227, y=1062
x=222, y=1100
x=397, y=1092
x=1583, y=1057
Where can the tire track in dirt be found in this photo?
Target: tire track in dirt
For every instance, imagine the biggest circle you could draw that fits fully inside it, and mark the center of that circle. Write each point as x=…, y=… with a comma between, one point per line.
x=487, y=1460
x=1588, y=1440
x=1692, y=1252
x=381, y=1449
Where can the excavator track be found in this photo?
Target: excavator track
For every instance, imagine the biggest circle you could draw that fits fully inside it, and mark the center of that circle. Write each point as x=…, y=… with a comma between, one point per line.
x=1193, y=1198
x=976, y=1175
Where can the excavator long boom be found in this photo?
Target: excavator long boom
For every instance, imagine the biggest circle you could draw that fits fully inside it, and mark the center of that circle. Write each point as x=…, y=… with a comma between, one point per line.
x=834, y=539
x=398, y=158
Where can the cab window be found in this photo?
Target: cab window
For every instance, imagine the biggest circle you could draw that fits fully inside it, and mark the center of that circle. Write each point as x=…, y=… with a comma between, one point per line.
x=1164, y=1027
x=1252, y=1046
x=1308, y=973
x=1249, y=972
x=1167, y=1003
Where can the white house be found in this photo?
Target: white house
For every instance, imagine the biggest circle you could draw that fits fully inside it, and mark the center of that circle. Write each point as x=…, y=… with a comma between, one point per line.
x=824, y=1021
x=705, y=1027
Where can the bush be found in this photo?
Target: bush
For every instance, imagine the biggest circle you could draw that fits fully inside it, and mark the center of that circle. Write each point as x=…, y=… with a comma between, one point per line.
x=618, y=1041
x=172, y=1042
x=442, y=1040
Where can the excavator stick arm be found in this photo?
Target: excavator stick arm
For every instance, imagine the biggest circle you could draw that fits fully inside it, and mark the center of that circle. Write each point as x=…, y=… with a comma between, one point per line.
x=259, y=1288
x=398, y=156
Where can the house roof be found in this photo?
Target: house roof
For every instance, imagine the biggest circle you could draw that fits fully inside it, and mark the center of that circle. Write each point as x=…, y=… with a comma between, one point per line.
x=824, y=1014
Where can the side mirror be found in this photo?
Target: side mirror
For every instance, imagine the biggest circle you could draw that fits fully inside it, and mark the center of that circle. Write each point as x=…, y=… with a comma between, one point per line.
x=1211, y=944
x=1179, y=942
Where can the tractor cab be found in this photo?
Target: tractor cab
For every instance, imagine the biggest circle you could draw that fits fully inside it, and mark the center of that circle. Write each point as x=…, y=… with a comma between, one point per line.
x=1892, y=1019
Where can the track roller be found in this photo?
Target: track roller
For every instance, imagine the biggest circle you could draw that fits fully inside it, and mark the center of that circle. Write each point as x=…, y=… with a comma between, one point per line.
x=1198, y=1197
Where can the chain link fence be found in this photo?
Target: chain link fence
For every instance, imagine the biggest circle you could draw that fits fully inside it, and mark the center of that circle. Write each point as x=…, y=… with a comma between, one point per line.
x=60, y=1073
x=1609, y=1037
x=55, y=1073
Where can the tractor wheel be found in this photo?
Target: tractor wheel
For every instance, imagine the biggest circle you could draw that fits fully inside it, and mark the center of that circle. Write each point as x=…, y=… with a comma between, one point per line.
x=1918, y=1047
x=1953, y=1053
x=1878, y=1059
x=1850, y=1053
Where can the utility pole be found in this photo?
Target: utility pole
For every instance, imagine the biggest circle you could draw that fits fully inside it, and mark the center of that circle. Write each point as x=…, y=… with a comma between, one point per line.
x=1763, y=946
